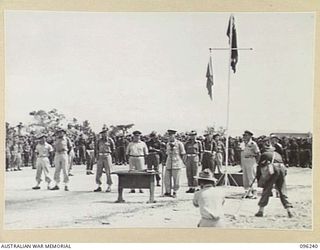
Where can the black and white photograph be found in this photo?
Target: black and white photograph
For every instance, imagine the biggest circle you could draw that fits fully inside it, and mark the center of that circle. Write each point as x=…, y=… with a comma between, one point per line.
x=159, y=120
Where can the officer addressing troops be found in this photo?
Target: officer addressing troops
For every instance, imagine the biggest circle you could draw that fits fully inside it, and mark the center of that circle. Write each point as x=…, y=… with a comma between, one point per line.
x=192, y=160
x=249, y=159
x=43, y=151
x=175, y=153
x=105, y=148
x=62, y=147
x=137, y=151
x=153, y=160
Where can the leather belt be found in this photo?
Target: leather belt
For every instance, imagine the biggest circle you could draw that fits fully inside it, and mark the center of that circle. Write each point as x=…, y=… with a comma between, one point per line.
x=192, y=154
x=136, y=155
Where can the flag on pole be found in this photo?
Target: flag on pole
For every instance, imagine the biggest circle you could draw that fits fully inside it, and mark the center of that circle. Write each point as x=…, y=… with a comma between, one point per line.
x=209, y=76
x=234, y=52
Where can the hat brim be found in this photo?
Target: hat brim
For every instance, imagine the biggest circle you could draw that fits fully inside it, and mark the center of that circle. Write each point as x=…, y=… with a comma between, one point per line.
x=247, y=134
x=206, y=179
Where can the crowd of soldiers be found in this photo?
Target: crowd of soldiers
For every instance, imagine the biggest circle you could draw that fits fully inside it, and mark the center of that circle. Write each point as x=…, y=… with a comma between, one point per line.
x=174, y=152
x=20, y=149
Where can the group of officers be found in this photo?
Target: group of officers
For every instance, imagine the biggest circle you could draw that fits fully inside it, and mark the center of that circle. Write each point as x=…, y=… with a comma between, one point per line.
x=147, y=154
x=172, y=151
x=20, y=150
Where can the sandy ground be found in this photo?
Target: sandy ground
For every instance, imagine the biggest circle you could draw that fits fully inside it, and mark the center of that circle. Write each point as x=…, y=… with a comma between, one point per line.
x=82, y=208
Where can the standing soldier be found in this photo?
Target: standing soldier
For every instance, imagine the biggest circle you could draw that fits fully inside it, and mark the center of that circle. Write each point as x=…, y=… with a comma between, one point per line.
x=104, y=150
x=121, y=144
x=207, y=158
x=50, y=140
x=293, y=146
x=15, y=154
x=231, y=151
x=249, y=159
x=285, y=147
x=137, y=150
x=62, y=147
x=26, y=153
x=71, y=158
x=174, y=163
x=90, y=146
x=303, y=153
x=275, y=142
x=218, y=149
x=193, y=157
x=43, y=150
x=237, y=155
x=153, y=160
x=82, y=146
x=8, y=155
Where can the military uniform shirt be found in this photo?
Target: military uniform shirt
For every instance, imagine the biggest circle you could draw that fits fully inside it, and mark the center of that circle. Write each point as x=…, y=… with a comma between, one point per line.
x=43, y=150
x=153, y=145
x=218, y=146
x=62, y=145
x=251, y=149
x=193, y=147
x=105, y=146
x=174, y=153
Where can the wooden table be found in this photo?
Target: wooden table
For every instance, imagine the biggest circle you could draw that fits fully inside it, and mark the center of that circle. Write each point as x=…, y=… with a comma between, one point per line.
x=135, y=179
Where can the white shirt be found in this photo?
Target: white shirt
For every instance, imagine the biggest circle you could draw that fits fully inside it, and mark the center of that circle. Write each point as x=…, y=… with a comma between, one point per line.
x=137, y=149
x=210, y=201
x=43, y=150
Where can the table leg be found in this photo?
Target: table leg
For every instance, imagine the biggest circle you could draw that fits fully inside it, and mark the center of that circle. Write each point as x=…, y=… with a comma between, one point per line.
x=151, y=199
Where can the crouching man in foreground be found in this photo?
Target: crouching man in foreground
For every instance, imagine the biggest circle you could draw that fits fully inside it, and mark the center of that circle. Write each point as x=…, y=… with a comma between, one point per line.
x=272, y=159
x=210, y=200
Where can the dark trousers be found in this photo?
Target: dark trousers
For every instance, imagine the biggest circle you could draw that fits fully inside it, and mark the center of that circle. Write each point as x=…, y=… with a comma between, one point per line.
x=121, y=155
x=294, y=159
x=153, y=160
x=7, y=163
x=90, y=161
x=207, y=161
x=192, y=163
x=277, y=179
x=26, y=158
x=82, y=155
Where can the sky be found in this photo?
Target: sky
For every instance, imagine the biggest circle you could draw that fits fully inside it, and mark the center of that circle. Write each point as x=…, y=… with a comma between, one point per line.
x=150, y=69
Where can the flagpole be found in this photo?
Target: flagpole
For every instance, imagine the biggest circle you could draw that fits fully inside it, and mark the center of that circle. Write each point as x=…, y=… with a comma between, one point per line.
x=228, y=102
x=231, y=49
